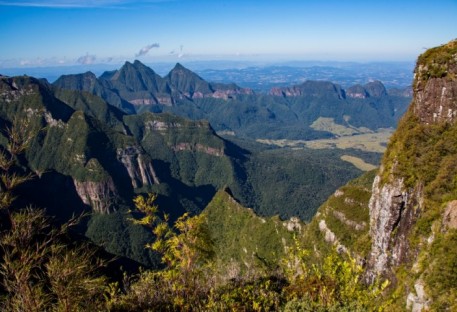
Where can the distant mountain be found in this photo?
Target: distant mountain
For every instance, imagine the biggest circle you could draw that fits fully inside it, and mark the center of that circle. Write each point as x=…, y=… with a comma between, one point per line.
x=284, y=113
x=140, y=86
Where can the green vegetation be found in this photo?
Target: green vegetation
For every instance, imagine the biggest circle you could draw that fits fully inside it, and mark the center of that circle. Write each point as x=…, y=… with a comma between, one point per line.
x=39, y=272
x=243, y=242
x=346, y=214
x=305, y=178
x=424, y=156
x=191, y=281
x=441, y=273
x=411, y=157
x=436, y=62
x=329, y=125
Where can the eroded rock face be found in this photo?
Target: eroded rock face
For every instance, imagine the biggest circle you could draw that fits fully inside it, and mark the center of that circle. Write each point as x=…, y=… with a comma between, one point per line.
x=436, y=100
x=140, y=170
x=101, y=196
x=357, y=92
x=199, y=148
x=435, y=87
x=393, y=211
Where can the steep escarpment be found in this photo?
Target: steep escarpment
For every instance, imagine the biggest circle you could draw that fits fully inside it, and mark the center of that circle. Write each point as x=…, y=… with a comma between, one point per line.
x=415, y=188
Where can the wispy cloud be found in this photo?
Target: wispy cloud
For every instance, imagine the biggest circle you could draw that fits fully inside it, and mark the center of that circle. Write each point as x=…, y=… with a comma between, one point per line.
x=146, y=49
x=180, y=54
x=86, y=59
x=76, y=3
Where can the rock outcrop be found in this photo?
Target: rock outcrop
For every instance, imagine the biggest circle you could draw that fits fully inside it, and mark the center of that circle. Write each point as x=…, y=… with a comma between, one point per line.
x=139, y=168
x=101, y=196
x=393, y=211
x=412, y=200
x=435, y=99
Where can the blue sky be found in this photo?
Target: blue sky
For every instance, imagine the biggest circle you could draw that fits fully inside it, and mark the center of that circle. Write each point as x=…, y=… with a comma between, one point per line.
x=66, y=32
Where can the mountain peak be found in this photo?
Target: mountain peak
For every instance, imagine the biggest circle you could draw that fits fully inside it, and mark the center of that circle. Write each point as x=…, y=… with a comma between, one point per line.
x=375, y=89
x=180, y=69
x=186, y=81
x=179, y=66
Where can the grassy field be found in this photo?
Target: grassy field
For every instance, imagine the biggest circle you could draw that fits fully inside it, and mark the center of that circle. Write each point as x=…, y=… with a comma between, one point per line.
x=369, y=142
x=358, y=162
x=329, y=125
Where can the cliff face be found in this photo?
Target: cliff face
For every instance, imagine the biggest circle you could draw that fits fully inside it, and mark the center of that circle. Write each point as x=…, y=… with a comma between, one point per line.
x=101, y=196
x=393, y=211
x=139, y=169
x=435, y=90
x=415, y=185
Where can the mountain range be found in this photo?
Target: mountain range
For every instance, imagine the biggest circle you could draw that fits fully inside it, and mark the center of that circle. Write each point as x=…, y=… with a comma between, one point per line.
x=283, y=113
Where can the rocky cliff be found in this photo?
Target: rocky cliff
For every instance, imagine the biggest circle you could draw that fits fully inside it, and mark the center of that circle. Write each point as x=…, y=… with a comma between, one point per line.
x=414, y=189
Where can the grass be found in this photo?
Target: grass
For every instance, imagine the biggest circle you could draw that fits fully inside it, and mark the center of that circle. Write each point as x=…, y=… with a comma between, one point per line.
x=358, y=163
x=369, y=142
x=329, y=125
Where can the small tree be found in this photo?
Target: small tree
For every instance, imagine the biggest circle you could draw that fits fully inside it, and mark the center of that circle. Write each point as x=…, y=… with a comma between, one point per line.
x=186, y=249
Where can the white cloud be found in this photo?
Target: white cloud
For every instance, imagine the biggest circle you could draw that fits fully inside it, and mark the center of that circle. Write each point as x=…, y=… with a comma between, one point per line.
x=86, y=59
x=145, y=50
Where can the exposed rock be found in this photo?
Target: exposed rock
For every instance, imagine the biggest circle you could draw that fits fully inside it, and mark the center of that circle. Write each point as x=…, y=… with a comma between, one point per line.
x=144, y=101
x=393, y=211
x=450, y=215
x=293, y=224
x=141, y=172
x=435, y=88
x=199, y=148
x=417, y=302
x=53, y=122
x=398, y=198
x=101, y=196
x=331, y=238
x=355, y=225
x=158, y=125
x=436, y=101
x=357, y=92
